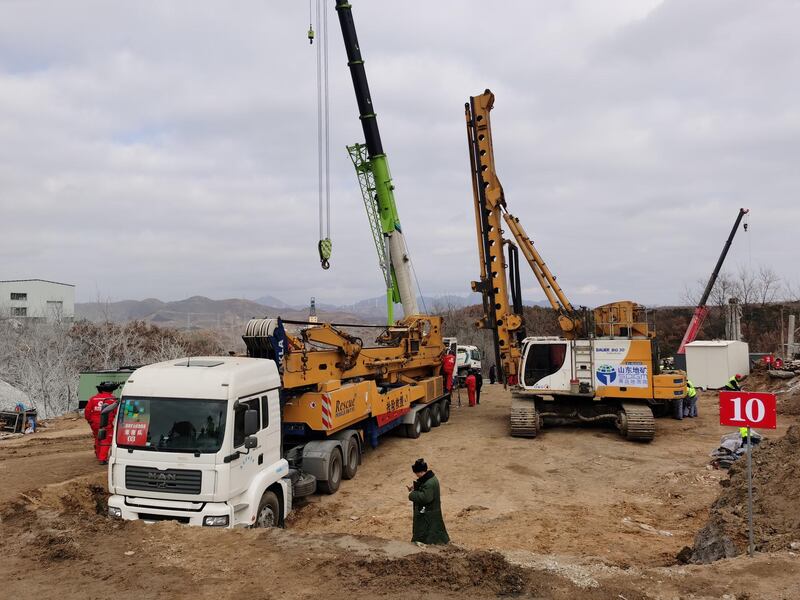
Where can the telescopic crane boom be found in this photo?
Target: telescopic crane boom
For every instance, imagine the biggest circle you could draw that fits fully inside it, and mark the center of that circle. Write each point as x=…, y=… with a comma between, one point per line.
x=701, y=311
x=372, y=167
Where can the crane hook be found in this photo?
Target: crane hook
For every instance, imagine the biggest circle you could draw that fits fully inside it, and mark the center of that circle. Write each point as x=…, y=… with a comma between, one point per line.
x=325, y=246
x=310, y=34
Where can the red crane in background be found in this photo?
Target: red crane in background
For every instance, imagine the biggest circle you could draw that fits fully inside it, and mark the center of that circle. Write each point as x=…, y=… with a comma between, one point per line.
x=702, y=310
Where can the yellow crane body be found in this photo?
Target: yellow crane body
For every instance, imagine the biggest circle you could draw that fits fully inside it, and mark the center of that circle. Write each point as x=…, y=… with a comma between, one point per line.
x=332, y=382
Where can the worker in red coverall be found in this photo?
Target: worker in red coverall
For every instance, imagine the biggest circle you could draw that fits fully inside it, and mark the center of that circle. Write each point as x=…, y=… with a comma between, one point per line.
x=448, y=365
x=94, y=407
x=472, y=384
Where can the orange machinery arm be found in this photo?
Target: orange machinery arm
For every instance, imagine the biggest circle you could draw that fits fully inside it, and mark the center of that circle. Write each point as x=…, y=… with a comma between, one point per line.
x=502, y=314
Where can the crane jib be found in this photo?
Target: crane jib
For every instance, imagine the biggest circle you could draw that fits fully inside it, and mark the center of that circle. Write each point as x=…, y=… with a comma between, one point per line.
x=366, y=110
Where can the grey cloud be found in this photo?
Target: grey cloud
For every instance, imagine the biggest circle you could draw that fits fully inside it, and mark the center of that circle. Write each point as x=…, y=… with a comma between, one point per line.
x=168, y=149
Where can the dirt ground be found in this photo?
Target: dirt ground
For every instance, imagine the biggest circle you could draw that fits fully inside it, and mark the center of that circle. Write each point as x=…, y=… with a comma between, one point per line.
x=575, y=513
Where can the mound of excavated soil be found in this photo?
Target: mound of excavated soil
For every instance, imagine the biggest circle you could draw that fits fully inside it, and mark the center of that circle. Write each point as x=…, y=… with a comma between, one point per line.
x=787, y=391
x=776, y=503
x=475, y=574
x=789, y=397
x=451, y=571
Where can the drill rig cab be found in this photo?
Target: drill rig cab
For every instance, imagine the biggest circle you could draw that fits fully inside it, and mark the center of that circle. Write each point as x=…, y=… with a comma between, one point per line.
x=603, y=367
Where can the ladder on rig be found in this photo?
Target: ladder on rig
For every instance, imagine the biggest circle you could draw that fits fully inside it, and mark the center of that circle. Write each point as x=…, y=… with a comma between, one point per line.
x=366, y=181
x=584, y=364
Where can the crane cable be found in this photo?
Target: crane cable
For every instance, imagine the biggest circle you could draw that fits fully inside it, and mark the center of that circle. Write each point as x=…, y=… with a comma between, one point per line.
x=323, y=131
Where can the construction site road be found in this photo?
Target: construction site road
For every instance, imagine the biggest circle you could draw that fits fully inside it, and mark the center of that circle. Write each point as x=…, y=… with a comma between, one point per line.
x=574, y=513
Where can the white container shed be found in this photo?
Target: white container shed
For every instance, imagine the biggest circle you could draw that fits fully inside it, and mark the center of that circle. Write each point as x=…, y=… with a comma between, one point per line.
x=710, y=364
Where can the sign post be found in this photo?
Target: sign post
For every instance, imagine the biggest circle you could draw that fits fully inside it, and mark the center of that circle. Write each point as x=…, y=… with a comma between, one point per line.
x=750, y=543
x=746, y=410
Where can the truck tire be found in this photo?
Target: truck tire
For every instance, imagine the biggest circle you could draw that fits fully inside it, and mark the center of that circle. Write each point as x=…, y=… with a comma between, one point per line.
x=269, y=511
x=436, y=414
x=425, y=419
x=334, y=474
x=413, y=430
x=305, y=485
x=445, y=410
x=351, y=464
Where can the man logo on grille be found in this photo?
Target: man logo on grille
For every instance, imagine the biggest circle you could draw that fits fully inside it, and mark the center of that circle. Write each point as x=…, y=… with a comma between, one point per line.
x=160, y=479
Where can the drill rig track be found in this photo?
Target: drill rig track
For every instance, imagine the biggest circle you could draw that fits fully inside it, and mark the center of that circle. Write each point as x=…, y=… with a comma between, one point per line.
x=636, y=422
x=524, y=418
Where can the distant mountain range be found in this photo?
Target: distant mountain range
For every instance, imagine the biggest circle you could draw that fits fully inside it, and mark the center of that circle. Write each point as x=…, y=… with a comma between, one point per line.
x=201, y=312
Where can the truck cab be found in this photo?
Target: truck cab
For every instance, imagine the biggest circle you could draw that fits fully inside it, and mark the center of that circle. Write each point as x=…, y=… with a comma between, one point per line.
x=199, y=441
x=467, y=359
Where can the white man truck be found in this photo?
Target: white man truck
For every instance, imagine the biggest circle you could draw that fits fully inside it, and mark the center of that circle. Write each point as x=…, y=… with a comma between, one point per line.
x=233, y=441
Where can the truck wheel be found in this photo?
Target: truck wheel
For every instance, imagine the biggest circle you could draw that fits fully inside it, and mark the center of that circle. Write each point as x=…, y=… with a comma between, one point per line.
x=269, y=510
x=413, y=430
x=445, y=410
x=334, y=474
x=351, y=464
x=436, y=415
x=425, y=418
x=305, y=485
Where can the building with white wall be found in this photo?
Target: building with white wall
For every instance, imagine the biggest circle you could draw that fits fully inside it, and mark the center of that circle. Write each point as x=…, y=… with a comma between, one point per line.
x=37, y=299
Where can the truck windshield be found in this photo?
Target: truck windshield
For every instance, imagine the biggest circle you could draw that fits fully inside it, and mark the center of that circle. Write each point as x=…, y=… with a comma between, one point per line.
x=171, y=424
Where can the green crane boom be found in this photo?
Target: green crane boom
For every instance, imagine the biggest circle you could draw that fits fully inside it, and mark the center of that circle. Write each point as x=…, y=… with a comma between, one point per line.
x=372, y=168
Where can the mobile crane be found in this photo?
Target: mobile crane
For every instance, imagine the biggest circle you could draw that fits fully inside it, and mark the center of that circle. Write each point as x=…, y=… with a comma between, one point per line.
x=375, y=180
x=231, y=441
x=604, y=367
x=701, y=311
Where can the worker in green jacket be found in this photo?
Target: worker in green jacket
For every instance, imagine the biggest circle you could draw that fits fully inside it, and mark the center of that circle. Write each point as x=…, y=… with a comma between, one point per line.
x=733, y=384
x=690, y=404
x=428, y=525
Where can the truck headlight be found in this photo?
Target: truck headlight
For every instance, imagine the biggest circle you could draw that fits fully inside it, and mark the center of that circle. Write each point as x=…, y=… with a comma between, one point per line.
x=114, y=513
x=221, y=521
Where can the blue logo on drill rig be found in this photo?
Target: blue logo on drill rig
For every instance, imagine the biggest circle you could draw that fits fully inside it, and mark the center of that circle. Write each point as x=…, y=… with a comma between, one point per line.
x=606, y=374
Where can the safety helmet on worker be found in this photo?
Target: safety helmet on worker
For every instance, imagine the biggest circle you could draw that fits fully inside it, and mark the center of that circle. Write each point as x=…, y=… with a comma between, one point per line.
x=107, y=386
x=738, y=376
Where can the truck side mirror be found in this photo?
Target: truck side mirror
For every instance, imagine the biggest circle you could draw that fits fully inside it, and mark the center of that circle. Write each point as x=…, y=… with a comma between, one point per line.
x=102, y=433
x=251, y=424
x=250, y=442
x=103, y=419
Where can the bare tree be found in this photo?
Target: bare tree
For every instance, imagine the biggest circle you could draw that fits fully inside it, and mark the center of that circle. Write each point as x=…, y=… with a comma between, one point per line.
x=40, y=362
x=746, y=286
x=791, y=291
x=44, y=359
x=768, y=285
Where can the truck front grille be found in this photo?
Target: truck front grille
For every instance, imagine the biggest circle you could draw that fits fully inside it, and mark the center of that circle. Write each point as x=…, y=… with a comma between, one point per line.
x=173, y=481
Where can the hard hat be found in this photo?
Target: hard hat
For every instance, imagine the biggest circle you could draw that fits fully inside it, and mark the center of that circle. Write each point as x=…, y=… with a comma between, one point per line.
x=739, y=377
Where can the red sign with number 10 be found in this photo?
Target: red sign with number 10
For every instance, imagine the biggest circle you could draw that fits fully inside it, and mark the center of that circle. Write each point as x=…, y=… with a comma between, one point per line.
x=748, y=409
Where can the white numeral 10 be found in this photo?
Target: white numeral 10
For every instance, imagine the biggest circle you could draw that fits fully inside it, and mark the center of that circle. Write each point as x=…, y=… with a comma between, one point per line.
x=760, y=410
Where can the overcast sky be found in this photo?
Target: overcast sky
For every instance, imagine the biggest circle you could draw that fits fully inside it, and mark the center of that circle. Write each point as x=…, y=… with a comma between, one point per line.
x=167, y=149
